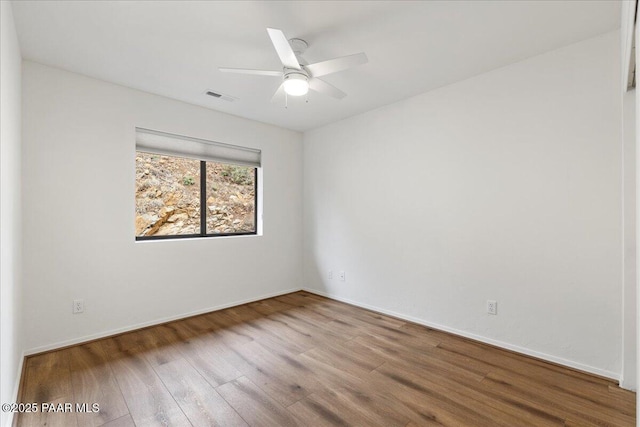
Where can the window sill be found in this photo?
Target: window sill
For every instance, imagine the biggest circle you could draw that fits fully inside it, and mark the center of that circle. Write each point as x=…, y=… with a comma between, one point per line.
x=193, y=237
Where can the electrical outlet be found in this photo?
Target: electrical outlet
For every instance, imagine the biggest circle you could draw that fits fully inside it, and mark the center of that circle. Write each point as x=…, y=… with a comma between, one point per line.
x=78, y=306
x=343, y=277
x=330, y=274
x=492, y=307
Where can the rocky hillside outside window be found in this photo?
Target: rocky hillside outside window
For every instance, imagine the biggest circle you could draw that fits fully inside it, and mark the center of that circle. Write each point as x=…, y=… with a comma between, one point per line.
x=196, y=192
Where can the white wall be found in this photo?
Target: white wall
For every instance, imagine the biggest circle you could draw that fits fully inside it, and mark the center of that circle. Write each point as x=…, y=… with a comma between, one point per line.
x=629, y=371
x=78, y=161
x=506, y=186
x=10, y=183
x=636, y=37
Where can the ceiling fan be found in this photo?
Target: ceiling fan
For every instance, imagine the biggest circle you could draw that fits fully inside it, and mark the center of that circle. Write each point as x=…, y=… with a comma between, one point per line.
x=297, y=76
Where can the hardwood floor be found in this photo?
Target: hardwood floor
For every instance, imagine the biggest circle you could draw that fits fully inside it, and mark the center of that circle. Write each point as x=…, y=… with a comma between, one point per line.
x=301, y=359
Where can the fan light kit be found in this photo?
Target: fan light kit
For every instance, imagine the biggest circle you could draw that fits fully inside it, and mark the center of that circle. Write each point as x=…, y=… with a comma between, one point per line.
x=298, y=78
x=296, y=84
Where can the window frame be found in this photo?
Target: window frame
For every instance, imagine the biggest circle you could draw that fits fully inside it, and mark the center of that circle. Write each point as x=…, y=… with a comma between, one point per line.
x=203, y=209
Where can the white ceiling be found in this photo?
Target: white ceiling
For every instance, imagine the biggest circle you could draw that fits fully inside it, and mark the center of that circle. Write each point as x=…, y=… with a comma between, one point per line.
x=174, y=48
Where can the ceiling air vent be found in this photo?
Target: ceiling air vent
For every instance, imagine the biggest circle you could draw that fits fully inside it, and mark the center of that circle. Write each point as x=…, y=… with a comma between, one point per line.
x=219, y=95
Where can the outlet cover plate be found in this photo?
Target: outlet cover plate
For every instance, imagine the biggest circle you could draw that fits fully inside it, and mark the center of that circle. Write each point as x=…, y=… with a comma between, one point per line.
x=78, y=306
x=492, y=307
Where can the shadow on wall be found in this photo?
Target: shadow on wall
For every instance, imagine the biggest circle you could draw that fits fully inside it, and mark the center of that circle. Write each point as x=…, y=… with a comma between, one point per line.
x=314, y=278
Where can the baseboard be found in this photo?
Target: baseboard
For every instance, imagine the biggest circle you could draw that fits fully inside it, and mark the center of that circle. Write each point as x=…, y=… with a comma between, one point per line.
x=627, y=386
x=105, y=334
x=16, y=388
x=522, y=350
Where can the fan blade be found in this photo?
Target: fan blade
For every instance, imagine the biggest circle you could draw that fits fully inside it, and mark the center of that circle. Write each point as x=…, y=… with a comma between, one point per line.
x=337, y=64
x=279, y=94
x=248, y=71
x=283, y=49
x=325, y=88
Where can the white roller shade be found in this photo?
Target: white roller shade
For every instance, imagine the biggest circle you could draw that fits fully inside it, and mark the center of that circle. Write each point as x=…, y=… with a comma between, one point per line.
x=151, y=141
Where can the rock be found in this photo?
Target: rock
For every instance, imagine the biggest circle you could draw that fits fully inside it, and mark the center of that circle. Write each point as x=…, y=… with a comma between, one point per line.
x=143, y=222
x=178, y=217
x=173, y=199
x=164, y=214
x=167, y=230
x=236, y=222
x=211, y=200
x=166, y=211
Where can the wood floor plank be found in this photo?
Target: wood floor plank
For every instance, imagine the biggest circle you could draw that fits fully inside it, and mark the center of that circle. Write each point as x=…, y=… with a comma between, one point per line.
x=354, y=313
x=158, y=348
x=123, y=342
x=47, y=377
x=514, y=362
x=341, y=327
x=302, y=359
x=573, y=404
x=545, y=377
x=421, y=403
x=93, y=382
x=284, y=334
x=347, y=357
x=284, y=378
x=125, y=421
x=269, y=306
x=426, y=410
x=294, y=300
x=257, y=327
x=51, y=418
x=254, y=405
x=469, y=396
x=321, y=337
x=149, y=402
x=460, y=380
x=331, y=376
x=427, y=357
x=306, y=312
x=204, y=351
x=467, y=387
x=202, y=405
x=344, y=406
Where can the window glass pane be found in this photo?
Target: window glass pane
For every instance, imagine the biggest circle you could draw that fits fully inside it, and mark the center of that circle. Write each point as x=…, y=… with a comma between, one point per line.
x=167, y=195
x=231, y=195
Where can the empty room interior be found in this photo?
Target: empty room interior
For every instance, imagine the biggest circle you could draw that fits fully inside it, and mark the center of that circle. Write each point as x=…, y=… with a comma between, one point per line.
x=318, y=213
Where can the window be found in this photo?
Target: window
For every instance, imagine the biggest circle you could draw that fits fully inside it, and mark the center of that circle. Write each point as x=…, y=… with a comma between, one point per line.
x=186, y=187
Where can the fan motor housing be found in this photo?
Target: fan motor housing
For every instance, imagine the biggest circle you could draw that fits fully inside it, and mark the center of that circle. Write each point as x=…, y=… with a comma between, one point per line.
x=292, y=73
